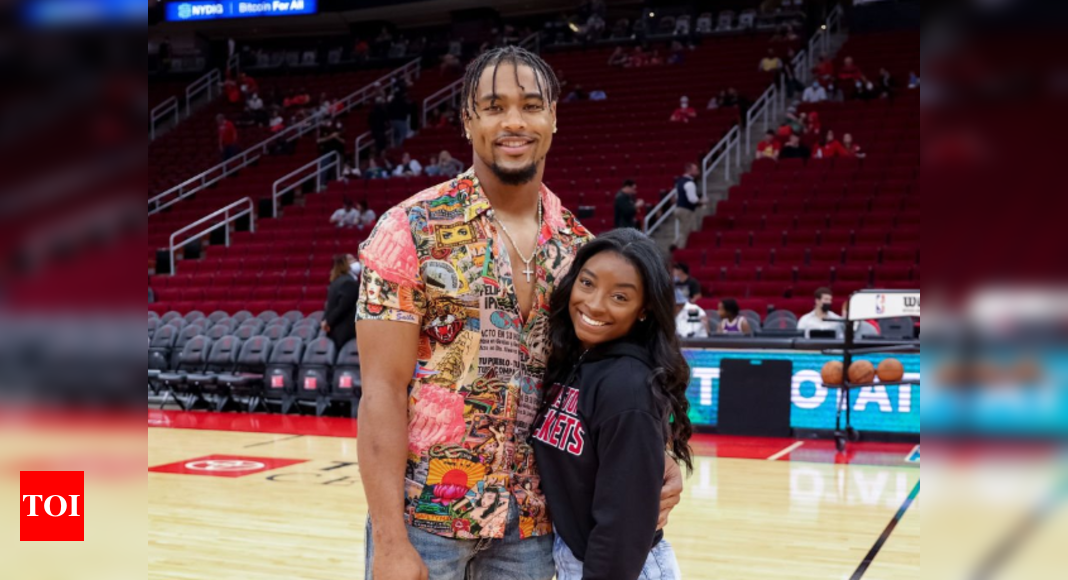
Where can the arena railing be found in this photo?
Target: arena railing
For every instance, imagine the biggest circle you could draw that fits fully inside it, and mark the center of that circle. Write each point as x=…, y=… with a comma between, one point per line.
x=451, y=92
x=221, y=217
x=252, y=154
x=210, y=83
x=720, y=153
x=165, y=110
x=317, y=169
x=763, y=109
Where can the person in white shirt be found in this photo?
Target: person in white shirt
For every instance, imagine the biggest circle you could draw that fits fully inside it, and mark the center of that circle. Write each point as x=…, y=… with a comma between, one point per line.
x=367, y=216
x=346, y=216
x=691, y=321
x=822, y=317
x=687, y=203
x=407, y=167
x=815, y=93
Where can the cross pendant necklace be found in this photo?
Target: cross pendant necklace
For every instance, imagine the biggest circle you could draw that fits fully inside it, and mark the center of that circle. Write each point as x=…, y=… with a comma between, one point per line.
x=526, y=261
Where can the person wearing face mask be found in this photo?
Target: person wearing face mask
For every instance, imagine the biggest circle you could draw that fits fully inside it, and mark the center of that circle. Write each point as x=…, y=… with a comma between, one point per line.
x=821, y=317
x=339, y=317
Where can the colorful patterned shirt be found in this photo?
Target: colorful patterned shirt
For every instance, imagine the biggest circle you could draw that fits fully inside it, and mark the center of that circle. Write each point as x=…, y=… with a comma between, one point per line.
x=437, y=260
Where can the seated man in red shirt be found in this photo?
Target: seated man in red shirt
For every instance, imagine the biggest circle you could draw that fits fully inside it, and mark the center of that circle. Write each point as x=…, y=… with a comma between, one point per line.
x=830, y=148
x=684, y=113
x=824, y=70
x=768, y=148
x=849, y=72
x=851, y=149
x=227, y=137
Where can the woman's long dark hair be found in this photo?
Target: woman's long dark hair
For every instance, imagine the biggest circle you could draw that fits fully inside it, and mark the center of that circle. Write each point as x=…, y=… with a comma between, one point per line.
x=671, y=373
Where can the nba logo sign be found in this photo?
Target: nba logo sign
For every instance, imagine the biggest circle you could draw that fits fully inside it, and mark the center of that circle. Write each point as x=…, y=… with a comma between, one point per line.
x=880, y=303
x=51, y=506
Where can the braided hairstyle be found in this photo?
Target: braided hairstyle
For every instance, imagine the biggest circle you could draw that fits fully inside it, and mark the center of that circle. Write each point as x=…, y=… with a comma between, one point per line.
x=547, y=84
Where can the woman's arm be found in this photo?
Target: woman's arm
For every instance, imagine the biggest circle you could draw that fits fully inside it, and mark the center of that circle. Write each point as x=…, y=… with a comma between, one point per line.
x=626, y=500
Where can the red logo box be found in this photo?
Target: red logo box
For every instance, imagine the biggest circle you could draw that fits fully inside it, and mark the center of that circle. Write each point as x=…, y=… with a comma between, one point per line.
x=225, y=465
x=52, y=506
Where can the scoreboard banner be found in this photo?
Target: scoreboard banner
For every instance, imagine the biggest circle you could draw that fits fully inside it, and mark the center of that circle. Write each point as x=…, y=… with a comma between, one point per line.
x=891, y=409
x=192, y=10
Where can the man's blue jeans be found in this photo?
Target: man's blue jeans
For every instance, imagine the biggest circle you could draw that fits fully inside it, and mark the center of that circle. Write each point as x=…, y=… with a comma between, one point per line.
x=509, y=558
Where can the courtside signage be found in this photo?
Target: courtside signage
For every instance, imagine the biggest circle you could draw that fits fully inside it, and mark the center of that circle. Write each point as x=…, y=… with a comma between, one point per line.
x=212, y=10
x=884, y=408
x=51, y=506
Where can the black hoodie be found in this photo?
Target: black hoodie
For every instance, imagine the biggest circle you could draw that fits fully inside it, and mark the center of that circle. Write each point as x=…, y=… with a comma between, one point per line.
x=600, y=452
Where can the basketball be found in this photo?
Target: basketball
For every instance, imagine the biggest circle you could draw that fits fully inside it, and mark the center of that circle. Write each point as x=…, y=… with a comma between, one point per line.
x=890, y=370
x=832, y=373
x=861, y=371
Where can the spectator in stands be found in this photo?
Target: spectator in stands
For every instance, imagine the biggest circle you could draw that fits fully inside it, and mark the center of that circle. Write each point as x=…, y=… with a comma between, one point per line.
x=793, y=149
x=451, y=66
x=690, y=288
x=830, y=148
x=638, y=58
x=254, y=109
x=731, y=98
x=864, y=89
x=277, y=123
x=822, y=316
x=227, y=137
x=688, y=202
x=678, y=53
x=770, y=63
x=914, y=80
x=445, y=165
x=378, y=122
x=789, y=75
x=367, y=216
x=850, y=72
x=347, y=216
x=399, y=110
x=824, y=70
x=339, y=313
x=730, y=319
x=769, y=147
x=578, y=94
x=247, y=84
x=408, y=167
x=375, y=171
x=165, y=54
x=627, y=205
x=684, y=113
x=884, y=87
x=851, y=149
x=717, y=101
x=360, y=50
x=233, y=93
x=331, y=138
x=814, y=93
x=348, y=172
x=691, y=321
x=618, y=57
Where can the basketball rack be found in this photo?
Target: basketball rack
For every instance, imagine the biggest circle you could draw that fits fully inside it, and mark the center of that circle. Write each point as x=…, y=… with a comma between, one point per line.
x=867, y=305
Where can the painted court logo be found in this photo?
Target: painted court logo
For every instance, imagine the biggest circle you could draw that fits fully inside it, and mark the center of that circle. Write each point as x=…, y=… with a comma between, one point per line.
x=51, y=506
x=225, y=465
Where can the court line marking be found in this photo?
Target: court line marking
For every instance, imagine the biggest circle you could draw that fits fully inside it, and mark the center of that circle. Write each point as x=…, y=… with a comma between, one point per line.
x=272, y=441
x=883, y=537
x=785, y=451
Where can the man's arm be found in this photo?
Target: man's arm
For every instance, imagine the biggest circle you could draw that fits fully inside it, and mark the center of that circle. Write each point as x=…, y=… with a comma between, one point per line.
x=691, y=192
x=388, y=350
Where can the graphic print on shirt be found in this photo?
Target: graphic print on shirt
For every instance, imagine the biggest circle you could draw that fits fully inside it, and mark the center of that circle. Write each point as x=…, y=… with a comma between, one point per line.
x=561, y=426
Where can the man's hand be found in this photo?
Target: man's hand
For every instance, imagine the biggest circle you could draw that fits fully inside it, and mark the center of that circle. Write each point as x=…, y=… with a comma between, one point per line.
x=671, y=494
x=398, y=561
x=323, y=325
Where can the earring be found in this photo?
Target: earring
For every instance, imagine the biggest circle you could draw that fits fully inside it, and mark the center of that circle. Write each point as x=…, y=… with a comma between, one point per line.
x=554, y=128
x=641, y=318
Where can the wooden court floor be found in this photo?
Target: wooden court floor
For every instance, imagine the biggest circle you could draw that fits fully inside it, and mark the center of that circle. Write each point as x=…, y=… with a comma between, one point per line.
x=234, y=498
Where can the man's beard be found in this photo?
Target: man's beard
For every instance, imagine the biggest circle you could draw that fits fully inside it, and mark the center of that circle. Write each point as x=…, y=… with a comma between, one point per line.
x=515, y=176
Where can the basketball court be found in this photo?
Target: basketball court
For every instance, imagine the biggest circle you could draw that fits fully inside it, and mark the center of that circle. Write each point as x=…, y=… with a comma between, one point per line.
x=271, y=496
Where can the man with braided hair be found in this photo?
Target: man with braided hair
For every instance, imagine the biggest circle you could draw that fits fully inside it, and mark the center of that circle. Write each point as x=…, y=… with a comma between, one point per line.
x=439, y=507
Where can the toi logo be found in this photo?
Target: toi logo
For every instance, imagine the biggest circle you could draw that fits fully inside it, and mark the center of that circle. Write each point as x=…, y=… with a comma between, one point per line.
x=52, y=506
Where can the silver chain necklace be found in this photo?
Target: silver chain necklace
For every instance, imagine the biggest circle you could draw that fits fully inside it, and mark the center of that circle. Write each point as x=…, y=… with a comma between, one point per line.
x=526, y=261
